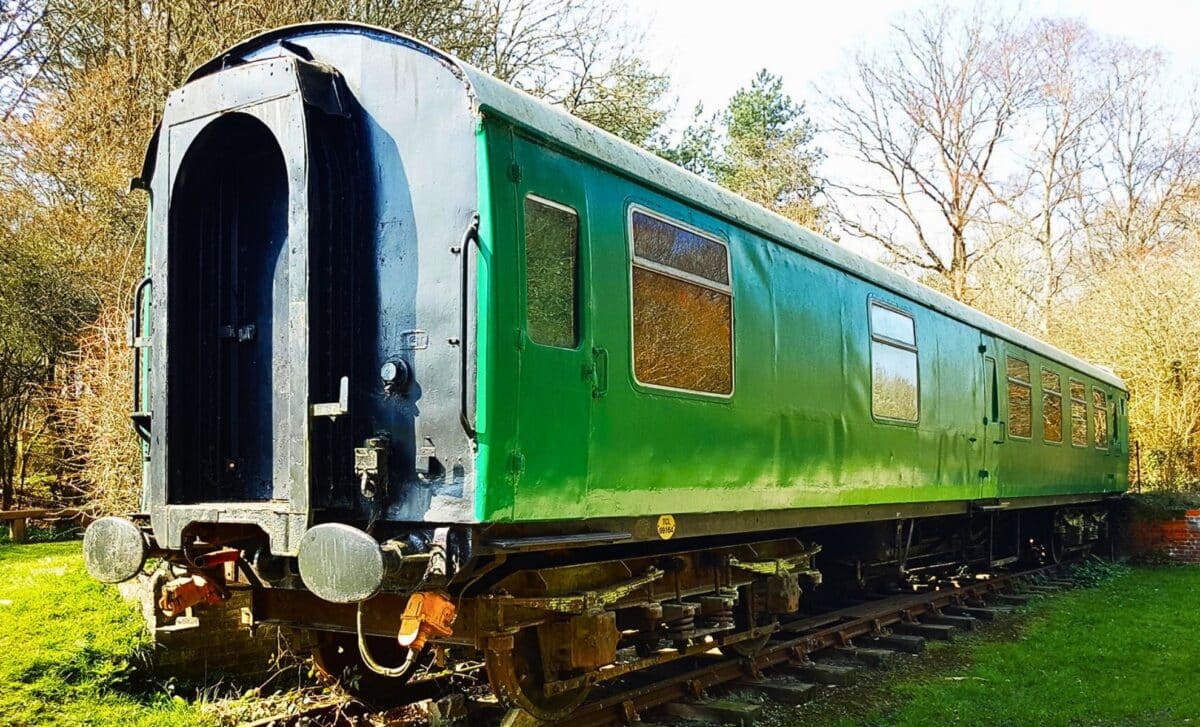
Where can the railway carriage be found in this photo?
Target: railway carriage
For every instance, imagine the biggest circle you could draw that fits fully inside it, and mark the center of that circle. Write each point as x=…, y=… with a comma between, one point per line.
x=421, y=359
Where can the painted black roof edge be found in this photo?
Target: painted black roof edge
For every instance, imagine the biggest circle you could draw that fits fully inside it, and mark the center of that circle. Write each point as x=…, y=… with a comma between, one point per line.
x=291, y=33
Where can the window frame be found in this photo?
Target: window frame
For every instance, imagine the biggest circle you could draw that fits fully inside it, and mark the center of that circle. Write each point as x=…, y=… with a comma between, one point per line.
x=1086, y=417
x=913, y=348
x=579, y=333
x=1042, y=370
x=1107, y=434
x=1008, y=384
x=636, y=261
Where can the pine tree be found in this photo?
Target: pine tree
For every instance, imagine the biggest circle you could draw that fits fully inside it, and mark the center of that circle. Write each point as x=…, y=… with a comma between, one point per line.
x=761, y=147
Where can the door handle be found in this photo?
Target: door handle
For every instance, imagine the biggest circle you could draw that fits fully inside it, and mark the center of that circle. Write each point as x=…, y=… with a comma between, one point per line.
x=599, y=372
x=1003, y=433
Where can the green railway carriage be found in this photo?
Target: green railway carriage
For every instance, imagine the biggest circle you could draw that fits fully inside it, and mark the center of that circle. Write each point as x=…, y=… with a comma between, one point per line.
x=421, y=358
x=803, y=342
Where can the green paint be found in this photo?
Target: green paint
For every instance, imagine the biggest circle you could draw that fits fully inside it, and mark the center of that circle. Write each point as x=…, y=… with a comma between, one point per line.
x=798, y=430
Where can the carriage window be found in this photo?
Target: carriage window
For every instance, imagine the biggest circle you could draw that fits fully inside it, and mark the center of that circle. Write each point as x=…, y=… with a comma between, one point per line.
x=1051, y=407
x=551, y=273
x=682, y=307
x=1078, y=414
x=895, y=392
x=1020, y=414
x=1100, y=415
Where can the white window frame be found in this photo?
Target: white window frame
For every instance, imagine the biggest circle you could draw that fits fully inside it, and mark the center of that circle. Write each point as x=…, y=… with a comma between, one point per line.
x=1062, y=415
x=1107, y=423
x=638, y=261
x=578, y=270
x=873, y=302
x=1087, y=421
x=1009, y=381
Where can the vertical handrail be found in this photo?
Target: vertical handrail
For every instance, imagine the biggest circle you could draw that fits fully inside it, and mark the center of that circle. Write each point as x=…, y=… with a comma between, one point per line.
x=464, y=414
x=140, y=417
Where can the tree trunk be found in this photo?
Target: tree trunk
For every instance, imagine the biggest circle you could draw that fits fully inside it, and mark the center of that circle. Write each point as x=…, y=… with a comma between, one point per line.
x=958, y=267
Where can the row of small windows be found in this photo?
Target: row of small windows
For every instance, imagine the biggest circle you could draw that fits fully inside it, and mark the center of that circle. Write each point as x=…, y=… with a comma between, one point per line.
x=683, y=323
x=1020, y=407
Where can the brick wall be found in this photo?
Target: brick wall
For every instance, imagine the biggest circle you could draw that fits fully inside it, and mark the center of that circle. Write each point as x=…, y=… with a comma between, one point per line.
x=1173, y=536
x=212, y=642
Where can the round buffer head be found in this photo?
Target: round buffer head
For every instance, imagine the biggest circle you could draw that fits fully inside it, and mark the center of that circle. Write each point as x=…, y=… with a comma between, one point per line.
x=340, y=563
x=114, y=549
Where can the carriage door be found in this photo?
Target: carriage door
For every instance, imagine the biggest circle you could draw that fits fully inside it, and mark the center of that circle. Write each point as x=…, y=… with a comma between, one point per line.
x=557, y=372
x=993, y=426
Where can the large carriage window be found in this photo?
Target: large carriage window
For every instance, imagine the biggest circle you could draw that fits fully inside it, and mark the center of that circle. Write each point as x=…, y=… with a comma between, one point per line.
x=1051, y=407
x=895, y=392
x=1078, y=414
x=1100, y=416
x=1020, y=414
x=682, y=308
x=551, y=273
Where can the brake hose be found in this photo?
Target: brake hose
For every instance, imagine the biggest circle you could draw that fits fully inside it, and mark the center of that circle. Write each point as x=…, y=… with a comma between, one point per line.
x=387, y=671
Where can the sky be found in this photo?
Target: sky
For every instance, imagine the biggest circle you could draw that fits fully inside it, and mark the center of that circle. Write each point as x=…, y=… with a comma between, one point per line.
x=713, y=47
x=710, y=48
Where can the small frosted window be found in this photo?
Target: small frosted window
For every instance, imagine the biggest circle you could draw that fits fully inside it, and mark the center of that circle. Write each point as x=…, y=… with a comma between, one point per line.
x=893, y=325
x=1079, y=436
x=551, y=273
x=1051, y=407
x=1100, y=416
x=657, y=241
x=895, y=392
x=682, y=308
x=1020, y=395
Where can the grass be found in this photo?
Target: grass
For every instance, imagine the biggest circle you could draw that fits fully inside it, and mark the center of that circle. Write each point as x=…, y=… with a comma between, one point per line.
x=71, y=651
x=1122, y=652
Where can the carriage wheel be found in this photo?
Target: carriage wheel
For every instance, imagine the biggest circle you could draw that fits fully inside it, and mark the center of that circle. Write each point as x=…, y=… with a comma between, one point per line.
x=518, y=680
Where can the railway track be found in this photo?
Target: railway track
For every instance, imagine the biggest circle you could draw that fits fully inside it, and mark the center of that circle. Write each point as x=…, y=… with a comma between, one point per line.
x=789, y=664
x=934, y=614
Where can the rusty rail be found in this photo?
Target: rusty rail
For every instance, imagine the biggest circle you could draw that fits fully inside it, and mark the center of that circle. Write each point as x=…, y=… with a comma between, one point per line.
x=834, y=628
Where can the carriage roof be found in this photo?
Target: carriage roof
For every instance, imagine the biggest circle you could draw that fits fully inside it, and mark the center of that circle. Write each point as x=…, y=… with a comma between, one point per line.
x=490, y=96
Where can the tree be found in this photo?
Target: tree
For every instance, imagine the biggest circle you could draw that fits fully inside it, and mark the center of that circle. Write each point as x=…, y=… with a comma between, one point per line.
x=1148, y=159
x=1136, y=319
x=1042, y=200
x=925, y=120
x=41, y=306
x=572, y=53
x=769, y=156
x=696, y=149
x=761, y=146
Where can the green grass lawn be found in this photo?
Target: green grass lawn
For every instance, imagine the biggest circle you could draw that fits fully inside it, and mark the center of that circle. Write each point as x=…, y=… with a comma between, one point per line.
x=1126, y=652
x=70, y=648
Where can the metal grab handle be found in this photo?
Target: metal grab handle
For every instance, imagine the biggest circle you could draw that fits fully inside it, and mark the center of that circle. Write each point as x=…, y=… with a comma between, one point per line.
x=599, y=372
x=464, y=249
x=141, y=418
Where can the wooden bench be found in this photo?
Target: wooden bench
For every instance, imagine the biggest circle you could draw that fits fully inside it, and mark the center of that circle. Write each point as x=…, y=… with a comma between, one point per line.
x=19, y=519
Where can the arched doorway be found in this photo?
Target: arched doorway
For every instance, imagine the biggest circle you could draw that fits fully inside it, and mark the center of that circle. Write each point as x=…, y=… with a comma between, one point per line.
x=230, y=282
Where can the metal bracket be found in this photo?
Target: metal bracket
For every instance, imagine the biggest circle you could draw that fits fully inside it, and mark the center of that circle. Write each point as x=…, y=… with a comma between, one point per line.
x=333, y=410
x=241, y=334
